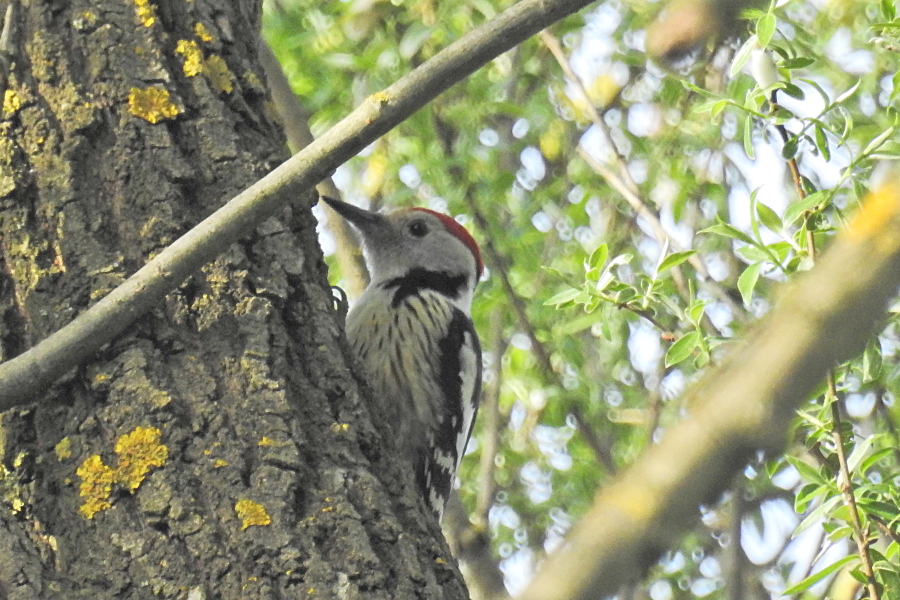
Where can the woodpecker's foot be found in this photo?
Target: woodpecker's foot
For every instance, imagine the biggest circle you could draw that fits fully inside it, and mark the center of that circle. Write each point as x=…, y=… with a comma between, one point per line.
x=341, y=305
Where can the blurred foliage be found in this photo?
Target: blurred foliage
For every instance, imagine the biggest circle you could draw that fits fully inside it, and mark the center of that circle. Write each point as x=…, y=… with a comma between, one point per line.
x=621, y=312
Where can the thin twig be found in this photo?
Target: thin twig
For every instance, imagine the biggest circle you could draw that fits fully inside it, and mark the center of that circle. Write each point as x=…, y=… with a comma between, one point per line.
x=562, y=60
x=654, y=412
x=489, y=416
x=25, y=377
x=886, y=529
x=601, y=450
x=737, y=559
x=643, y=313
x=472, y=548
x=845, y=482
x=785, y=138
x=621, y=180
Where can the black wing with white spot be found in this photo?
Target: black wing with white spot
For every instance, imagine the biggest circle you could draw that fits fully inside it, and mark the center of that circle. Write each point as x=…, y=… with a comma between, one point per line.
x=460, y=380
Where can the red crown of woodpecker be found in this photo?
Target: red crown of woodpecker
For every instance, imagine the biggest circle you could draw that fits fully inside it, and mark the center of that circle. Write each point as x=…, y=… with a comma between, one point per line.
x=461, y=233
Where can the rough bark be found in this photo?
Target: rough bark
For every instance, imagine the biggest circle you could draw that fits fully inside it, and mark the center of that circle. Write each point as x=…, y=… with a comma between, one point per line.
x=268, y=479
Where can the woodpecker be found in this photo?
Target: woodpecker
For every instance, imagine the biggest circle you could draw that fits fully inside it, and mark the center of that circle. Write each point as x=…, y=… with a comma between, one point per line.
x=412, y=333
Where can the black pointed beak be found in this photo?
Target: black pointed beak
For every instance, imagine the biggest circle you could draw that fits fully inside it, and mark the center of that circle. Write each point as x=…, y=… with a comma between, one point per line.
x=364, y=220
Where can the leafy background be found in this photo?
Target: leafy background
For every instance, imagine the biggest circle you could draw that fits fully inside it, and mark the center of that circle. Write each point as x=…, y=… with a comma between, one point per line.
x=635, y=218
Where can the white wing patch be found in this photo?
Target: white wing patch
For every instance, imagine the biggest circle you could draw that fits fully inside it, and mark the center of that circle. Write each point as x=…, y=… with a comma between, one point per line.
x=470, y=369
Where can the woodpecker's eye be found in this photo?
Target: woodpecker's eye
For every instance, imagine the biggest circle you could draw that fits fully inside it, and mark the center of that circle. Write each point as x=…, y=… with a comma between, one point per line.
x=418, y=228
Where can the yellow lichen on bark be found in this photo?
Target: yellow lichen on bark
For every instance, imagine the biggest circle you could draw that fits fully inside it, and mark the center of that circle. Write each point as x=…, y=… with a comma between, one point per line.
x=23, y=255
x=214, y=67
x=219, y=75
x=203, y=33
x=139, y=451
x=11, y=102
x=63, y=449
x=252, y=513
x=96, y=485
x=146, y=12
x=152, y=104
x=193, y=57
x=252, y=80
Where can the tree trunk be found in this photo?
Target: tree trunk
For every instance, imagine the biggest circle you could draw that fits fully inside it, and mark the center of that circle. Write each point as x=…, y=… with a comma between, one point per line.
x=221, y=448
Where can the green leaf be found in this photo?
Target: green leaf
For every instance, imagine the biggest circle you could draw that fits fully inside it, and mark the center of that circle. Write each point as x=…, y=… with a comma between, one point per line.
x=807, y=493
x=727, y=230
x=789, y=150
x=793, y=90
x=765, y=27
x=885, y=510
x=780, y=249
x=839, y=533
x=860, y=450
x=801, y=206
x=741, y=56
x=563, y=297
x=816, y=515
x=674, y=259
x=698, y=90
x=598, y=257
x=747, y=281
x=626, y=295
x=605, y=323
x=683, y=348
x=849, y=92
x=807, y=471
x=753, y=254
x=858, y=575
x=718, y=107
x=695, y=311
x=871, y=361
x=822, y=142
x=848, y=124
x=798, y=62
x=893, y=550
x=748, y=137
x=819, y=576
x=874, y=144
x=701, y=360
x=876, y=457
x=782, y=115
x=768, y=217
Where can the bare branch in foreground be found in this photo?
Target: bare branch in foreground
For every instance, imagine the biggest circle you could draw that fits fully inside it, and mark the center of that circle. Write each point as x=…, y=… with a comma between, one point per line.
x=824, y=317
x=26, y=376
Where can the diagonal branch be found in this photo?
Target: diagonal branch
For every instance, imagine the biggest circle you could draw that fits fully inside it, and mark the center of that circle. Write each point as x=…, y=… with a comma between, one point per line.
x=25, y=377
x=746, y=403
